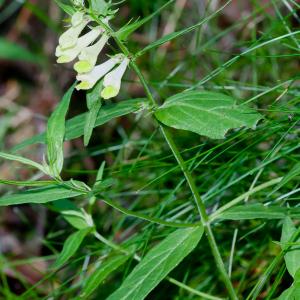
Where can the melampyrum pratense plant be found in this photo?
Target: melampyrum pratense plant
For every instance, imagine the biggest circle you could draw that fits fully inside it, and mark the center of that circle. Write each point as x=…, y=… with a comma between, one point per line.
x=206, y=113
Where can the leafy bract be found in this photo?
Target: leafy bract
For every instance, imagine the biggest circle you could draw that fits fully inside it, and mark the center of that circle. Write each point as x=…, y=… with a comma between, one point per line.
x=292, y=257
x=75, y=126
x=157, y=264
x=206, y=113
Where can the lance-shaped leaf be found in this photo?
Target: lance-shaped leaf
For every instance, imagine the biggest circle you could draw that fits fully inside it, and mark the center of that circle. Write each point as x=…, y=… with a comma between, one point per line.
x=56, y=134
x=157, y=264
x=206, y=113
x=40, y=195
x=102, y=272
x=70, y=247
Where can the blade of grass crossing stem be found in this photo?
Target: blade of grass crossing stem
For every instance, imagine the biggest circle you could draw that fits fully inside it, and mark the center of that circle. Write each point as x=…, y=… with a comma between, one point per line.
x=70, y=247
x=94, y=104
x=157, y=264
x=55, y=134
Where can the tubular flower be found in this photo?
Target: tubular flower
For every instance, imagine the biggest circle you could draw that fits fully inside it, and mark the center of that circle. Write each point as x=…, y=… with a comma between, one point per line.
x=88, y=56
x=112, y=80
x=69, y=38
x=69, y=54
x=88, y=80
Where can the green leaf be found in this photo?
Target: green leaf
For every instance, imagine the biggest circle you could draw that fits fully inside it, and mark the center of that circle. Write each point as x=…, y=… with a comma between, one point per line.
x=94, y=105
x=39, y=195
x=12, y=51
x=258, y=211
x=293, y=292
x=292, y=257
x=23, y=160
x=157, y=264
x=65, y=7
x=71, y=213
x=101, y=273
x=206, y=113
x=100, y=6
x=128, y=29
x=56, y=133
x=70, y=247
x=75, y=126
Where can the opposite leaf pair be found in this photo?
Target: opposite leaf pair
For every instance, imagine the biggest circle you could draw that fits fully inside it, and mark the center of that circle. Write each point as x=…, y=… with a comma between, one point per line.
x=87, y=48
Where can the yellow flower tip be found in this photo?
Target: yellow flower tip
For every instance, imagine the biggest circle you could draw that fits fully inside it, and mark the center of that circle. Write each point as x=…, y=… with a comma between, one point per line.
x=83, y=66
x=84, y=85
x=63, y=59
x=109, y=92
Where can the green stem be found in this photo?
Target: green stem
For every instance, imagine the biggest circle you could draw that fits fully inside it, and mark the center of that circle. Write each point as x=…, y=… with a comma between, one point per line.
x=189, y=178
x=200, y=204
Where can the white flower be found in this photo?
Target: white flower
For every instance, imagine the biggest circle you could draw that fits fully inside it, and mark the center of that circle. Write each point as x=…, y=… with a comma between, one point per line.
x=78, y=18
x=112, y=81
x=69, y=38
x=67, y=55
x=88, y=56
x=88, y=80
